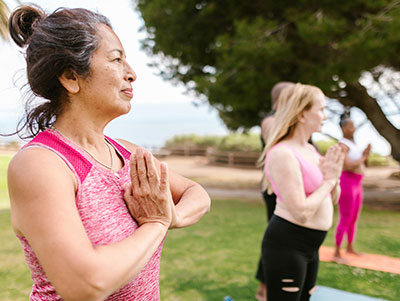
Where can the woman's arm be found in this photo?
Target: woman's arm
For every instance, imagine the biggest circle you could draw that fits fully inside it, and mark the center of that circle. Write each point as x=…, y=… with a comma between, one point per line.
x=42, y=194
x=335, y=193
x=285, y=171
x=353, y=165
x=191, y=200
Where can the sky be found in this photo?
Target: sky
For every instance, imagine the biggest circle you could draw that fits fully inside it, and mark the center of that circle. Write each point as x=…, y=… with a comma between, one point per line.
x=148, y=88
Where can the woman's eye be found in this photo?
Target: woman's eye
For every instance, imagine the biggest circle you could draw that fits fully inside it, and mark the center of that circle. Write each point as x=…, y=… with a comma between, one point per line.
x=117, y=59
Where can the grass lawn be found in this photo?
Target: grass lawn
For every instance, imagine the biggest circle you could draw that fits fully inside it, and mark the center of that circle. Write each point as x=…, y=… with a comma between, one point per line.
x=218, y=256
x=4, y=160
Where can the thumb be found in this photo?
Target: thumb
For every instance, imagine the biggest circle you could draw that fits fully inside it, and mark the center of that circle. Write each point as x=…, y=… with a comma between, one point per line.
x=128, y=190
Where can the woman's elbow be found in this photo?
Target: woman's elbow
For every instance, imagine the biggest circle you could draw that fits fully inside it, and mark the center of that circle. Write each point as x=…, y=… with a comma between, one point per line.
x=207, y=205
x=87, y=292
x=90, y=285
x=301, y=215
x=205, y=199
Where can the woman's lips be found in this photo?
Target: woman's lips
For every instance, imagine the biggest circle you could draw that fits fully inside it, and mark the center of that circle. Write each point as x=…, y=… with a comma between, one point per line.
x=128, y=92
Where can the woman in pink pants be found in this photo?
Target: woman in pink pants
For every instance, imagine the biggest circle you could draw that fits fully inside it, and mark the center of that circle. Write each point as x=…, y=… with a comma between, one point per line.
x=350, y=201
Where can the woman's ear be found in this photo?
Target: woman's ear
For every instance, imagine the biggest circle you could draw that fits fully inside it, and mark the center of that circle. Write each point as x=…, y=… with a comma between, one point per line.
x=69, y=80
x=301, y=118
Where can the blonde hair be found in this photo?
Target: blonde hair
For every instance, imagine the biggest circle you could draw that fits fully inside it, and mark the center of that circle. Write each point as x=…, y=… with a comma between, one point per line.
x=292, y=101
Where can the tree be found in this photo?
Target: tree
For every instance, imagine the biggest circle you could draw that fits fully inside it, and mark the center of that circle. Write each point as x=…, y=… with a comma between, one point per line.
x=4, y=12
x=233, y=52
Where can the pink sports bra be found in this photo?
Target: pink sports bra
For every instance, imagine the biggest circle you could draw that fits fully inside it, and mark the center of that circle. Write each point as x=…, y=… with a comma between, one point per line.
x=312, y=175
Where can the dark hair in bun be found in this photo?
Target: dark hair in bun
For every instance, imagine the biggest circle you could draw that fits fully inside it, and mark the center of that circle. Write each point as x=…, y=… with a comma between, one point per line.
x=22, y=21
x=345, y=117
x=64, y=40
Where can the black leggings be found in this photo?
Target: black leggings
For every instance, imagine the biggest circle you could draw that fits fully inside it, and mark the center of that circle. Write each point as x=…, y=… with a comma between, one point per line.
x=270, y=203
x=290, y=260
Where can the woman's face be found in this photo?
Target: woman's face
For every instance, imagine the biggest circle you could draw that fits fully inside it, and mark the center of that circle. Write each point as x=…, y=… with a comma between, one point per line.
x=108, y=90
x=315, y=116
x=348, y=129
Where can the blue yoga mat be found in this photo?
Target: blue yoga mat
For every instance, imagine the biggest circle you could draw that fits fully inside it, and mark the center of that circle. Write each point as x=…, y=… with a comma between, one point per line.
x=324, y=293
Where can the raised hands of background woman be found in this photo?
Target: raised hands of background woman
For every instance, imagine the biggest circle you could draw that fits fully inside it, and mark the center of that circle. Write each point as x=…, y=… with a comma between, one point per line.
x=148, y=197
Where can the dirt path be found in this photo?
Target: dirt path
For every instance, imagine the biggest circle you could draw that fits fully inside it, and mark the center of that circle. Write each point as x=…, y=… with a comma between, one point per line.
x=380, y=191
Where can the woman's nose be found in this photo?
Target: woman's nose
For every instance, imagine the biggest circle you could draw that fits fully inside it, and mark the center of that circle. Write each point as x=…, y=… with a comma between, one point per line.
x=130, y=75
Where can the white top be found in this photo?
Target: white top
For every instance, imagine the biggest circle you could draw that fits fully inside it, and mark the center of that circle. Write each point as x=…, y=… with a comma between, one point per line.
x=355, y=153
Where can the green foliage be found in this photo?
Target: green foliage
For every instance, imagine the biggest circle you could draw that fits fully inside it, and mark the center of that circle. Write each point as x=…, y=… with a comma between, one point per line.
x=193, y=140
x=323, y=145
x=233, y=142
x=374, y=159
x=234, y=52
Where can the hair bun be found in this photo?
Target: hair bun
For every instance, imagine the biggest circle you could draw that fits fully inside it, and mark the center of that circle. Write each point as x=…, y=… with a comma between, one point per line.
x=22, y=22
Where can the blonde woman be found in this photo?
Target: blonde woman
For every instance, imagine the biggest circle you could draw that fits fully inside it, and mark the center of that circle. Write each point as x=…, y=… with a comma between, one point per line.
x=306, y=186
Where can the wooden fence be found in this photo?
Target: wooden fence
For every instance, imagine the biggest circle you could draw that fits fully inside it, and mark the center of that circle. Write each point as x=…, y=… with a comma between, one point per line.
x=234, y=159
x=215, y=157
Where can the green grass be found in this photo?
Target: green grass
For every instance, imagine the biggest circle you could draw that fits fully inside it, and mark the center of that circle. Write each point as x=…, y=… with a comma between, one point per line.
x=15, y=281
x=218, y=256
x=4, y=160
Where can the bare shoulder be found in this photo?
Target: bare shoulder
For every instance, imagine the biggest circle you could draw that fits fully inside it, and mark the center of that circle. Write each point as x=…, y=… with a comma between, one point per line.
x=281, y=155
x=37, y=180
x=33, y=159
x=267, y=122
x=35, y=167
x=128, y=145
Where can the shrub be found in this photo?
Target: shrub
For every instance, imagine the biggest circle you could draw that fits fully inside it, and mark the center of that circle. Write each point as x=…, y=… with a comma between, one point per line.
x=232, y=142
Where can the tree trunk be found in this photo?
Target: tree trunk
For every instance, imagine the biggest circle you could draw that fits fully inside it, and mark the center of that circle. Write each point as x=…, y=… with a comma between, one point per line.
x=358, y=96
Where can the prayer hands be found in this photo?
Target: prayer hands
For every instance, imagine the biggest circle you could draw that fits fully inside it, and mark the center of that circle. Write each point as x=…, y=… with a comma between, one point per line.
x=148, y=197
x=332, y=163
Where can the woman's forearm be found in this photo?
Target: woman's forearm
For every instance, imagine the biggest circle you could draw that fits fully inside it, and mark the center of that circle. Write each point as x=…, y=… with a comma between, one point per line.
x=315, y=200
x=335, y=194
x=110, y=267
x=194, y=203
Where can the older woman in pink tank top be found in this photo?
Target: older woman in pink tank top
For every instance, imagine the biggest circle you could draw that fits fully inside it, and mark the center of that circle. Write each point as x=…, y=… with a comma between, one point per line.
x=306, y=186
x=91, y=212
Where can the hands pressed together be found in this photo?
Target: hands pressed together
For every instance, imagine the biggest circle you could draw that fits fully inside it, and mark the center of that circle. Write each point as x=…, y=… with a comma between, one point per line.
x=331, y=164
x=148, y=197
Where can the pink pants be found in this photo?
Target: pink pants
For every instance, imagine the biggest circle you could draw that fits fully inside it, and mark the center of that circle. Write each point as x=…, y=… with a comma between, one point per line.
x=350, y=203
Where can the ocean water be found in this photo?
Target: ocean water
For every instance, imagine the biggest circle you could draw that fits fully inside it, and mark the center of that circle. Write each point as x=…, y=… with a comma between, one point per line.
x=151, y=124
x=148, y=125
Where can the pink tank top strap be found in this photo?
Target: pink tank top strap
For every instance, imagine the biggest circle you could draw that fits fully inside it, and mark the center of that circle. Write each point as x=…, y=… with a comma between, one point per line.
x=72, y=157
x=122, y=150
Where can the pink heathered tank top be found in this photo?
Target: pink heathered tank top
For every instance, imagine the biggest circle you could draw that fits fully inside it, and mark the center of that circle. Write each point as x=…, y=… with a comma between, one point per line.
x=100, y=203
x=312, y=175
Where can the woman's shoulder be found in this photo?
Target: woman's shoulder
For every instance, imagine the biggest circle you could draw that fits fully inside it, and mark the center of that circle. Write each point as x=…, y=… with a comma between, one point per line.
x=280, y=153
x=35, y=164
x=131, y=147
